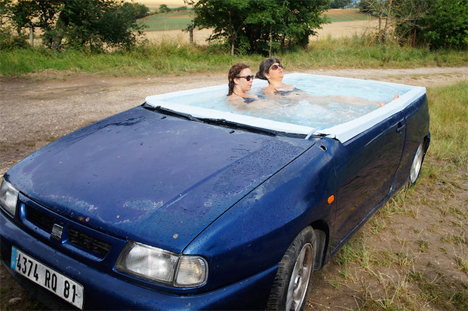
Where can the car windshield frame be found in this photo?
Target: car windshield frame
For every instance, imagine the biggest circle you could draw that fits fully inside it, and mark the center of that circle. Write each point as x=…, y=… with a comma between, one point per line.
x=249, y=126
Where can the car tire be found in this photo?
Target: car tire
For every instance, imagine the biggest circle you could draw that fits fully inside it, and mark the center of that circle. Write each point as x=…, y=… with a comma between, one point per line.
x=291, y=285
x=417, y=164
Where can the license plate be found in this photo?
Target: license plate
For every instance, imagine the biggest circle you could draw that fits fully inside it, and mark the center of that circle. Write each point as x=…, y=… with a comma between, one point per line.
x=46, y=277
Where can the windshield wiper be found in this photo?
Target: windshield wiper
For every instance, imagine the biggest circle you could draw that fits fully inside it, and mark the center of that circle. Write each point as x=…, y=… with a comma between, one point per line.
x=171, y=112
x=223, y=122
x=237, y=125
x=248, y=127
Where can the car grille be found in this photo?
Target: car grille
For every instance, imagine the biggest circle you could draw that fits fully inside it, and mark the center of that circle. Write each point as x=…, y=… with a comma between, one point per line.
x=75, y=237
x=39, y=219
x=88, y=242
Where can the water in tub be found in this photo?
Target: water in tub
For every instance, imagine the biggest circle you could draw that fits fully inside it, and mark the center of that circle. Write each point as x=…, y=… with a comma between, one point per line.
x=318, y=101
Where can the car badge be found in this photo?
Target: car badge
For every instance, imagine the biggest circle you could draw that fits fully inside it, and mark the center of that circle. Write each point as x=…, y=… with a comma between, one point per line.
x=57, y=232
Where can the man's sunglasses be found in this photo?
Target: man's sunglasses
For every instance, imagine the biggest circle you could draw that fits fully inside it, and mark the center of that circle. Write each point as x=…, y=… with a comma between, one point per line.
x=275, y=67
x=248, y=78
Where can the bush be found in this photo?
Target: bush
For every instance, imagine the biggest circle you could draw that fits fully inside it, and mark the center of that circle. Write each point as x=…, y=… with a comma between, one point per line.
x=438, y=23
x=8, y=41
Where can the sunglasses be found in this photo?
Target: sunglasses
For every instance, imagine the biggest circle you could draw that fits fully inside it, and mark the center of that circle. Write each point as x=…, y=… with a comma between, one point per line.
x=248, y=78
x=275, y=67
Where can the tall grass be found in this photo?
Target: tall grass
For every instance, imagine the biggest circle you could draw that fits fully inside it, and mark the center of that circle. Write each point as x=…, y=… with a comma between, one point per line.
x=179, y=58
x=449, y=124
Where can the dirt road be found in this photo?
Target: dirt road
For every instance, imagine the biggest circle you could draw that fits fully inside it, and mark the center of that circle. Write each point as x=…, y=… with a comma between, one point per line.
x=39, y=109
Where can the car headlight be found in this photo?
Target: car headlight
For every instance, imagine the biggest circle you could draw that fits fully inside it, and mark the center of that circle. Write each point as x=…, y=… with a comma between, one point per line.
x=8, y=197
x=159, y=265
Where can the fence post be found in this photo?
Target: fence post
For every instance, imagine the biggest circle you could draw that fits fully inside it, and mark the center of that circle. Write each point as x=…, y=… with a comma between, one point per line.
x=31, y=36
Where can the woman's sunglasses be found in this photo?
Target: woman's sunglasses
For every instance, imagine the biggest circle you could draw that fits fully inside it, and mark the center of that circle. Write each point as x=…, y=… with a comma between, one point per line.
x=248, y=78
x=275, y=67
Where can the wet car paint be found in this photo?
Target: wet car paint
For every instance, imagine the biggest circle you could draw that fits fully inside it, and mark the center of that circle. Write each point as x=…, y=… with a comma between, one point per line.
x=126, y=176
x=240, y=208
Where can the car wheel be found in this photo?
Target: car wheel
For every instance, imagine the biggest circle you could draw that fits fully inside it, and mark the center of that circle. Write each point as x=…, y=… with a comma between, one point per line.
x=289, y=291
x=417, y=163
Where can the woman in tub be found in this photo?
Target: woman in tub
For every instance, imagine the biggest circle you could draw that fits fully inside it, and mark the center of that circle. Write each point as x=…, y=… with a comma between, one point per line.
x=240, y=79
x=270, y=69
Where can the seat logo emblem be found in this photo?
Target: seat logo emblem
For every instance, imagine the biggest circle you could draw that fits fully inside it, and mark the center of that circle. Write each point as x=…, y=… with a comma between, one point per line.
x=57, y=232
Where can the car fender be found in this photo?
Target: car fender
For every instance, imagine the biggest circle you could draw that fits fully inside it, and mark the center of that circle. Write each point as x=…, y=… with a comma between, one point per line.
x=254, y=234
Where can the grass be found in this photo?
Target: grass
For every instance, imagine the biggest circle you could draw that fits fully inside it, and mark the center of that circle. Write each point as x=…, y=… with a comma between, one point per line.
x=177, y=58
x=425, y=267
x=449, y=115
x=456, y=239
x=151, y=60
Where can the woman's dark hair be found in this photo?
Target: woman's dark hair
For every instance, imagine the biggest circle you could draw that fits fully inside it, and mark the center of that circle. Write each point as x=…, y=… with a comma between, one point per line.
x=265, y=67
x=233, y=73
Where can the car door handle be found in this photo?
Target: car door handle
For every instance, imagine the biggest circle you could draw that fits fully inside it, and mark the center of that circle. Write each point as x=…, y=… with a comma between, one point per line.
x=400, y=127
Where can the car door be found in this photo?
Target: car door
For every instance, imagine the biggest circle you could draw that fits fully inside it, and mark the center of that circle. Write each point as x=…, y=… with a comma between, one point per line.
x=365, y=172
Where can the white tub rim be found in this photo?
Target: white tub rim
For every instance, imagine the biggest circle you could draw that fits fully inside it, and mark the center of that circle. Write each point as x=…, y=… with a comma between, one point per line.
x=342, y=132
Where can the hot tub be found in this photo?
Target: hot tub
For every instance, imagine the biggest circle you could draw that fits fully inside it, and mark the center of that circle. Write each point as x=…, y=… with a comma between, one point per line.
x=336, y=107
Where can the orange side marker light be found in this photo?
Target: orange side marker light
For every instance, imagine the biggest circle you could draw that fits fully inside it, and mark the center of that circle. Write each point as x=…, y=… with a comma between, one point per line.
x=331, y=199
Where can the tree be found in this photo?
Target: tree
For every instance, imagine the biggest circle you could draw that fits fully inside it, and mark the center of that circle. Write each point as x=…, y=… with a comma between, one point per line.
x=163, y=8
x=225, y=16
x=434, y=23
x=7, y=39
x=383, y=10
x=437, y=23
x=22, y=14
x=4, y=9
x=136, y=9
x=93, y=24
x=180, y=8
x=364, y=6
x=261, y=25
x=339, y=4
x=29, y=14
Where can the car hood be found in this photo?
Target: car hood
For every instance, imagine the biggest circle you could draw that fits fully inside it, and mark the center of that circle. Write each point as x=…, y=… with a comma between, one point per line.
x=150, y=177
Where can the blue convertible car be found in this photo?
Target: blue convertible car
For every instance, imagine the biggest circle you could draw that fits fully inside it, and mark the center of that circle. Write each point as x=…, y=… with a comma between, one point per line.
x=190, y=203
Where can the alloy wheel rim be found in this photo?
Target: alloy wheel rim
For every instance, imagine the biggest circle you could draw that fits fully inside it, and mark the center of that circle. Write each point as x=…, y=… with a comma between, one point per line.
x=300, y=278
x=416, y=167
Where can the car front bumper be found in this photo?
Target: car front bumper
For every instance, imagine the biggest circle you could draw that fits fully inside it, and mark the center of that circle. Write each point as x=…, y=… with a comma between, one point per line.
x=103, y=291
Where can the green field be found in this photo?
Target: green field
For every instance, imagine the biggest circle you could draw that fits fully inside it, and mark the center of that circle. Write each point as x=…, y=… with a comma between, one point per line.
x=169, y=21
x=180, y=20
x=346, y=15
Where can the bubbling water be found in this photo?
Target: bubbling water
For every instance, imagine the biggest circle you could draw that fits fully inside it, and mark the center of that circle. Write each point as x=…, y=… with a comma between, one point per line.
x=317, y=101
